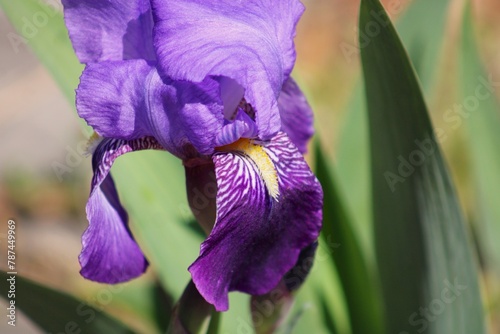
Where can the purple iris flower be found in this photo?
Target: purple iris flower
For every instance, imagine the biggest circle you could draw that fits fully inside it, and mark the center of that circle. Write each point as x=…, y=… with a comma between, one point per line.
x=208, y=81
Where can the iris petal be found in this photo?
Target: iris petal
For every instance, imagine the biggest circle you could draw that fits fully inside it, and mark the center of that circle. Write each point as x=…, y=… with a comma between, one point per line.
x=110, y=253
x=129, y=100
x=231, y=94
x=298, y=274
x=241, y=127
x=256, y=240
x=185, y=115
x=250, y=42
x=296, y=115
x=110, y=30
x=113, y=98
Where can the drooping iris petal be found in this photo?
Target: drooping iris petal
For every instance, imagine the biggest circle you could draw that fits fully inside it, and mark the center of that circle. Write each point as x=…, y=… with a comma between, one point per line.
x=110, y=253
x=110, y=29
x=296, y=115
x=113, y=97
x=250, y=42
x=297, y=275
x=257, y=239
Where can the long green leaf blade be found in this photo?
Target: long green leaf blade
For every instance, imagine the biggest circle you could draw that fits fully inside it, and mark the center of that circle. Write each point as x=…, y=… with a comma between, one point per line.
x=365, y=309
x=149, y=184
x=427, y=270
x=321, y=306
x=57, y=312
x=424, y=45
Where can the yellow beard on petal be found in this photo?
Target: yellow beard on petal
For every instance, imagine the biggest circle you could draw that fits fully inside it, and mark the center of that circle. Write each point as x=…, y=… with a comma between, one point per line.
x=261, y=159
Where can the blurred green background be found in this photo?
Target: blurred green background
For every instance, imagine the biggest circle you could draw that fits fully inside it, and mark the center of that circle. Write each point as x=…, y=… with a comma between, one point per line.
x=40, y=133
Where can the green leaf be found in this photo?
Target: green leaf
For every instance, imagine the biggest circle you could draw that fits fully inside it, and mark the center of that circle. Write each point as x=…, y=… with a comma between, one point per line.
x=482, y=121
x=427, y=270
x=353, y=169
x=55, y=311
x=424, y=42
x=320, y=306
x=152, y=188
x=141, y=301
x=364, y=302
x=213, y=327
x=237, y=318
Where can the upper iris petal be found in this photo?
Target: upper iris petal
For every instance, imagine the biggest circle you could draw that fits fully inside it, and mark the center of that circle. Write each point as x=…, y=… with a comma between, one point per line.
x=128, y=100
x=297, y=119
x=250, y=42
x=112, y=97
x=110, y=30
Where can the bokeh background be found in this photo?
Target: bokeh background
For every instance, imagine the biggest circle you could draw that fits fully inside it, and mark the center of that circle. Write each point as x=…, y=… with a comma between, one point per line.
x=39, y=130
